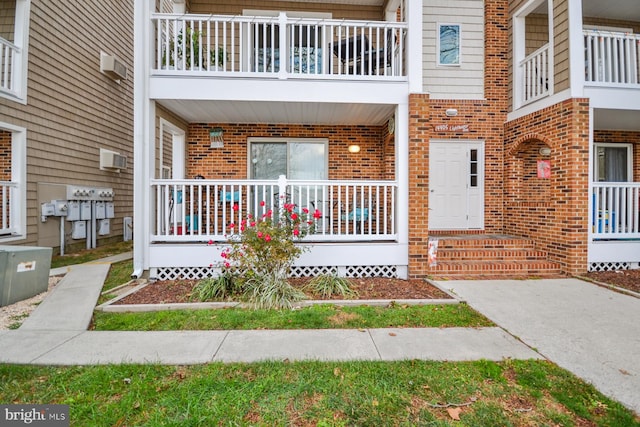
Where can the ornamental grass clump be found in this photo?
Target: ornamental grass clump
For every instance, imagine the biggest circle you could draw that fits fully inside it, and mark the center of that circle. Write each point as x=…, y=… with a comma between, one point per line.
x=262, y=251
x=328, y=285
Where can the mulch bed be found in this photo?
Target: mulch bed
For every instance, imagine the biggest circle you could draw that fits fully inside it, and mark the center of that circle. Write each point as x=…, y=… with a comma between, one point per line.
x=179, y=291
x=628, y=279
x=370, y=288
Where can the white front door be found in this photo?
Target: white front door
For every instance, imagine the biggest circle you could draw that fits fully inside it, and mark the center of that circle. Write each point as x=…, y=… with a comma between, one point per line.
x=456, y=185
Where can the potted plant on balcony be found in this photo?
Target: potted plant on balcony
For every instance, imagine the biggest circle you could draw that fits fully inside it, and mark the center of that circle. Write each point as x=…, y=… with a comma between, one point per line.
x=188, y=50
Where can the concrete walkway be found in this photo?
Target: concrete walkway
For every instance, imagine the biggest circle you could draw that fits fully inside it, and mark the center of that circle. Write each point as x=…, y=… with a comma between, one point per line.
x=586, y=329
x=591, y=331
x=56, y=334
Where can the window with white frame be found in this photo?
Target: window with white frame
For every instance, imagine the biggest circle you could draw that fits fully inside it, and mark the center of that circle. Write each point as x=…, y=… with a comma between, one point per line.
x=448, y=40
x=613, y=162
x=296, y=158
x=14, y=37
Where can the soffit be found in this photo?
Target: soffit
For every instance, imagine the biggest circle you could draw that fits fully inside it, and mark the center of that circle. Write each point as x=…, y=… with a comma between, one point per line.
x=607, y=119
x=280, y=112
x=625, y=10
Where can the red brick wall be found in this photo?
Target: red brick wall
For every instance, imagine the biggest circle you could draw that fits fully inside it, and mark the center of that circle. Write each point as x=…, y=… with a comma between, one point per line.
x=420, y=129
x=230, y=162
x=485, y=120
x=5, y=155
x=553, y=213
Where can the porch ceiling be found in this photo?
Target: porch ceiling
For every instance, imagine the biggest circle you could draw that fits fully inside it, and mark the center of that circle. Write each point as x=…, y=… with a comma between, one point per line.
x=358, y=2
x=195, y=111
x=608, y=119
x=626, y=10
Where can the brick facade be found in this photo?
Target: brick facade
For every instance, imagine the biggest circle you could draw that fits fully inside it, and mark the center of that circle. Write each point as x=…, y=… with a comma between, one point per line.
x=484, y=121
x=553, y=211
x=375, y=161
x=5, y=155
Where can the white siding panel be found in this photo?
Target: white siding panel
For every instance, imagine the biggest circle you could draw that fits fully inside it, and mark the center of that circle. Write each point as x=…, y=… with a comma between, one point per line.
x=465, y=81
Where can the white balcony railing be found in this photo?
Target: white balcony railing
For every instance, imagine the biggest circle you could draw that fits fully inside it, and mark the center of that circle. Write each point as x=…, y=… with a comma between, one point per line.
x=203, y=210
x=278, y=47
x=9, y=59
x=612, y=57
x=615, y=210
x=535, y=71
x=8, y=221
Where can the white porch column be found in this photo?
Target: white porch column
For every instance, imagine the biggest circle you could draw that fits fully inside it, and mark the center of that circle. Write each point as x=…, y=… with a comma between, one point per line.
x=576, y=49
x=402, y=175
x=414, y=17
x=143, y=122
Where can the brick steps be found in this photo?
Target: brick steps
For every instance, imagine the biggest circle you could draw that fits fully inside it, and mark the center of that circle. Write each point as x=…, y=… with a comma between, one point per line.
x=489, y=254
x=491, y=257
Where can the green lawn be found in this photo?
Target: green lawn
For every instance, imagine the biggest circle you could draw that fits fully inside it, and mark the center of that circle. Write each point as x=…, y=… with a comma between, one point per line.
x=510, y=393
x=324, y=316
x=87, y=255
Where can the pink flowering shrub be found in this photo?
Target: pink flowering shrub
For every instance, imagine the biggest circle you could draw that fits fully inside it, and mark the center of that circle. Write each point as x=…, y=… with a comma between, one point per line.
x=266, y=245
x=262, y=251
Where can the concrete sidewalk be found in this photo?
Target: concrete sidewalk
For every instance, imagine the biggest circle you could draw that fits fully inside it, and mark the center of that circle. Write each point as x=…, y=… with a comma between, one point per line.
x=56, y=334
x=586, y=329
x=193, y=347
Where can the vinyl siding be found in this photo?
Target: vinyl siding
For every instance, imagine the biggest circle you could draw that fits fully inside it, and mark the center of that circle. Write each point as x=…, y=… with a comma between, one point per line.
x=73, y=109
x=537, y=29
x=339, y=11
x=454, y=82
x=7, y=18
x=166, y=139
x=561, y=46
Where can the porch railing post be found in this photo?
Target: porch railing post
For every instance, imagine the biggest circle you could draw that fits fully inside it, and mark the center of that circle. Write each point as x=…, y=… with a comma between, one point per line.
x=282, y=194
x=284, y=49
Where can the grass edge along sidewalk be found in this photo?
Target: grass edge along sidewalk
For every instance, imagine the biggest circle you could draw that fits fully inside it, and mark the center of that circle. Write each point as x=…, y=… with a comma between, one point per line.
x=481, y=393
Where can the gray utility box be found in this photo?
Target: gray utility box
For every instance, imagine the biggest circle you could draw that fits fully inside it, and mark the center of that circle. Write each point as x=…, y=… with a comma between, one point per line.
x=24, y=272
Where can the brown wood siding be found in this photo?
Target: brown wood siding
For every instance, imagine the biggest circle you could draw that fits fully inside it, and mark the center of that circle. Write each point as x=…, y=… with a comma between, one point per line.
x=73, y=109
x=166, y=138
x=612, y=23
x=537, y=32
x=339, y=11
x=7, y=18
x=561, y=46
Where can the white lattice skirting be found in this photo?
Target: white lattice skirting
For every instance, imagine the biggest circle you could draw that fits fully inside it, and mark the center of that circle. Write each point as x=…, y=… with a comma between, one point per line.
x=174, y=273
x=609, y=266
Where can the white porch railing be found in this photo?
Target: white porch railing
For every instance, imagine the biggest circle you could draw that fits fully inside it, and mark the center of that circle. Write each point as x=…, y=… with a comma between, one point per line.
x=278, y=47
x=8, y=222
x=203, y=210
x=9, y=59
x=612, y=58
x=615, y=210
x=535, y=75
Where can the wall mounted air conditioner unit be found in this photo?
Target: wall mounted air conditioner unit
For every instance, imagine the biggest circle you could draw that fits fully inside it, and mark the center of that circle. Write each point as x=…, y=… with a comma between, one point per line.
x=112, y=161
x=113, y=67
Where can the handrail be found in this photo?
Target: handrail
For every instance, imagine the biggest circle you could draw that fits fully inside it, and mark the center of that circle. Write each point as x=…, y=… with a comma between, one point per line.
x=9, y=59
x=615, y=210
x=536, y=74
x=278, y=47
x=612, y=57
x=7, y=221
x=203, y=210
